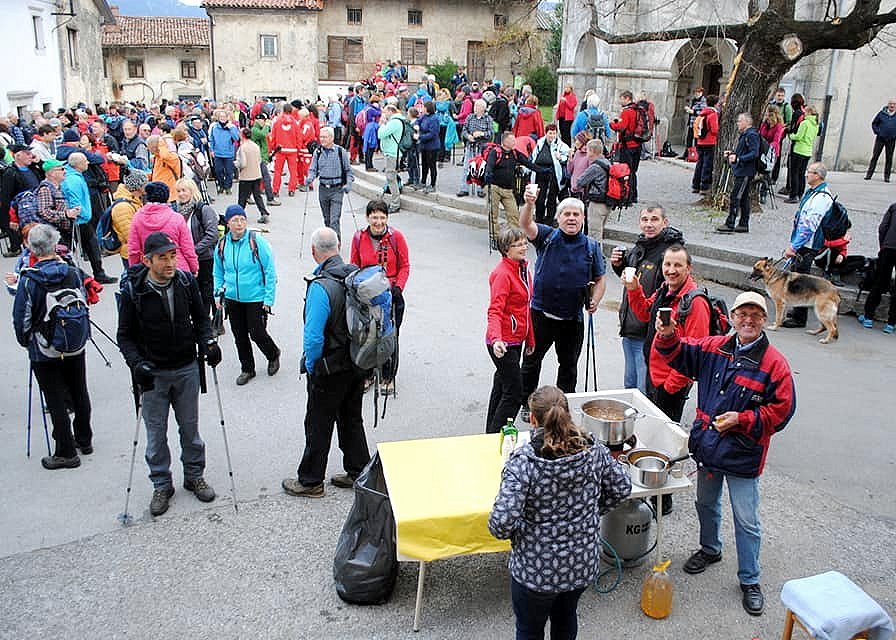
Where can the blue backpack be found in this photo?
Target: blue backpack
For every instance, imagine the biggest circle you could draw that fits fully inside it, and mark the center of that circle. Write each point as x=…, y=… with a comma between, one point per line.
x=27, y=207
x=105, y=234
x=368, y=310
x=65, y=327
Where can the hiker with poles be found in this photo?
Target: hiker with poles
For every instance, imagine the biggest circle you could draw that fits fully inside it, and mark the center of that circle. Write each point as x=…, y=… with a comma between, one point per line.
x=162, y=325
x=380, y=244
x=51, y=320
x=335, y=383
x=331, y=167
x=567, y=262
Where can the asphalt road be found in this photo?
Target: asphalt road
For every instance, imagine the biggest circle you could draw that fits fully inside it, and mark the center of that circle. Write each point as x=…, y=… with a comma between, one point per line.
x=68, y=569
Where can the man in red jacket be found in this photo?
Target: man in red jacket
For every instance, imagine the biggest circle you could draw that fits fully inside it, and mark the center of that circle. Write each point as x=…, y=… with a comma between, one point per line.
x=285, y=143
x=629, y=145
x=706, y=146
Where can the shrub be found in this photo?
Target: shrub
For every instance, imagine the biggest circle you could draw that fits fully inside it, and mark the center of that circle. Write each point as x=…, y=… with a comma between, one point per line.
x=544, y=84
x=443, y=71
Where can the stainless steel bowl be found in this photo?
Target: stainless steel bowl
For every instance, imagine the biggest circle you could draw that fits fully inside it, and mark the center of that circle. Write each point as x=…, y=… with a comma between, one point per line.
x=649, y=468
x=612, y=421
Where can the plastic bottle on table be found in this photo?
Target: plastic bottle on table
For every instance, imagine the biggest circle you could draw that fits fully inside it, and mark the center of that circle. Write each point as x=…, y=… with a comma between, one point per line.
x=656, y=594
x=509, y=436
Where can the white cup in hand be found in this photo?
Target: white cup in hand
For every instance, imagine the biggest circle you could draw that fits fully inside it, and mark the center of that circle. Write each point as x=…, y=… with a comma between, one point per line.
x=628, y=274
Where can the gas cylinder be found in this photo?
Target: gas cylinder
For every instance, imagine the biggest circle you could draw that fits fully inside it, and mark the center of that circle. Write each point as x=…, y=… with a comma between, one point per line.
x=627, y=529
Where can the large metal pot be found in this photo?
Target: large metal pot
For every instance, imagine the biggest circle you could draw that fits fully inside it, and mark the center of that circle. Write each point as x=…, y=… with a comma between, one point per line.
x=650, y=468
x=612, y=421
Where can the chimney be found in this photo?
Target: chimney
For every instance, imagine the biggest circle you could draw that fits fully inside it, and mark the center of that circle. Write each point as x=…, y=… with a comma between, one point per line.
x=115, y=10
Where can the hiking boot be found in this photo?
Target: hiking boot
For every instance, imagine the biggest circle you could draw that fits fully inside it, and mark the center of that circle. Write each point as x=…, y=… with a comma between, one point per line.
x=244, y=377
x=792, y=200
x=11, y=254
x=698, y=562
x=160, y=499
x=867, y=177
x=888, y=329
x=200, y=489
x=85, y=449
x=865, y=322
x=274, y=365
x=103, y=278
x=291, y=194
x=343, y=480
x=790, y=323
x=784, y=191
x=295, y=488
x=752, y=599
x=741, y=229
x=263, y=220
x=58, y=462
x=724, y=229
x=274, y=203
x=428, y=189
x=462, y=194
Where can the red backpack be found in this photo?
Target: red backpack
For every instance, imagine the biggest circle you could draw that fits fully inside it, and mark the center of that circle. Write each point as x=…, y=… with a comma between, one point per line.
x=476, y=170
x=619, y=188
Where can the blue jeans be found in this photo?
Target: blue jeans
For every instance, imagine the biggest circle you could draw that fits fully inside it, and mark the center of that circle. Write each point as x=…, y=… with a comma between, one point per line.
x=224, y=172
x=744, y=495
x=179, y=389
x=533, y=609
x=635, y=366
x=266, y=181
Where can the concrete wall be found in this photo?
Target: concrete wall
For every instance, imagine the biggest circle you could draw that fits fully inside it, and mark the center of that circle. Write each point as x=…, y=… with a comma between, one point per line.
x=162, y=73
x=448, y=26
x=240, y=71
x=82, y=81
x=31, y=76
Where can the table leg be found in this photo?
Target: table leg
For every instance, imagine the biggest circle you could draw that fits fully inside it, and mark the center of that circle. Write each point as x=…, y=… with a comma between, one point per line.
x=421, y=577
x=659, y=527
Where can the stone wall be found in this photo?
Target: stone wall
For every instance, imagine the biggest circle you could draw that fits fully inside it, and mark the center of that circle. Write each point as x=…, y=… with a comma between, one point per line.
x=240, y=70
x=82, y=77
x=161, y=73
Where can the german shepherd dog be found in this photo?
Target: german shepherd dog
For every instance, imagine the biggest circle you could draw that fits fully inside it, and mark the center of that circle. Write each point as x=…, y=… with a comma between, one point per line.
x=799, y=290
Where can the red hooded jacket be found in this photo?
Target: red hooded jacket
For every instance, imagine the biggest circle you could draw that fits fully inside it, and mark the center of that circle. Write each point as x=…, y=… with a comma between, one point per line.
x=509, y=319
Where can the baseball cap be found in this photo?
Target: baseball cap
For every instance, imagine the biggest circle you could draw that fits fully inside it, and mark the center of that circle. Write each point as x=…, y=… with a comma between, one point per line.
x=157, y=243
x=750, y=297
x=51, y=164
x=71, y=135
x=15, y=148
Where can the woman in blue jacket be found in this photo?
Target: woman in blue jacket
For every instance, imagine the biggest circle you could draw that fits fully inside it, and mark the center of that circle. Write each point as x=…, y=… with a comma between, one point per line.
x=430, y=145
x=246, y=279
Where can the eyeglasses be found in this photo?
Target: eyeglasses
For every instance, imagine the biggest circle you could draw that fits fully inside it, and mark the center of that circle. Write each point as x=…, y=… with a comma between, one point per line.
x=752, y=315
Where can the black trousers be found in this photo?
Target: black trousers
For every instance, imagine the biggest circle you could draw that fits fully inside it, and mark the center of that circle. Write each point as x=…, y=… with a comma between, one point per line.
x=565, y=127
x=796, y=174
x=253, y=188
x=739, y=201
x=702, y=179
x=546, y=203
x=62, y=381
x=205, y=279
x=91, y=247
x=566, y=336
x=672, y=404
x=886, y=262
x=802, y=263
x=333, y=400
x=390, y=368
x=507, y=388
x=429, y=161
x=249, y=320
x=882, y=144
x=631, y=157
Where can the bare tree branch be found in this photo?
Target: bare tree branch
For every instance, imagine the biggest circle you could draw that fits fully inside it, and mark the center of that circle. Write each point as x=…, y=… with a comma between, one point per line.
x=736, y=32
x=784, y=8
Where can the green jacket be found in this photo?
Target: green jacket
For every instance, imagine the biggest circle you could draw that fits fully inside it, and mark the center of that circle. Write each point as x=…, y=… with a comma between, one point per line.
x=390, y=134
x=260, y=137
x=804, y=138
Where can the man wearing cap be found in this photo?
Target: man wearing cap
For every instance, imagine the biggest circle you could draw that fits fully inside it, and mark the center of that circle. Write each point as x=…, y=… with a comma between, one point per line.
x=161, y=323
x=22, y=175
x=745, y=394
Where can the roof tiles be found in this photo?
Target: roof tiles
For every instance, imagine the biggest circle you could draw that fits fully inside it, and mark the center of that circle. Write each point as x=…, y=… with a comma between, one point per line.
x=142, y=31
x=263, y=4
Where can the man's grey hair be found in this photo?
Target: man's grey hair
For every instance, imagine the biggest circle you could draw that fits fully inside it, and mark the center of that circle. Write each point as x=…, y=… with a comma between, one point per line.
x=746, y=116
x=42, y=240
x=391, y=108
x=78, y=160
x=481, y=103
x=595, y=146
x=325, y=240
x=593, y=101
x=570, y=203
x=328, y=130
x=820, y=170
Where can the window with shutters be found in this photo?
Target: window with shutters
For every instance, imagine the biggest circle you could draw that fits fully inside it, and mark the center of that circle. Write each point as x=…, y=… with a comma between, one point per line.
x=135, y=69
x=341, y=51
x=414, y=51
x=353, y=15
x=415, y=18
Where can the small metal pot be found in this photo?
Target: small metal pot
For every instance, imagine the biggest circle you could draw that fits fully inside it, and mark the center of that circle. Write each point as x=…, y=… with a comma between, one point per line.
x=649, y=468
x=610, y=431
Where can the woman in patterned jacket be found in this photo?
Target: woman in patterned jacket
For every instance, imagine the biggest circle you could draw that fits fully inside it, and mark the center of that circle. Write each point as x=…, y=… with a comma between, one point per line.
x=553, y=492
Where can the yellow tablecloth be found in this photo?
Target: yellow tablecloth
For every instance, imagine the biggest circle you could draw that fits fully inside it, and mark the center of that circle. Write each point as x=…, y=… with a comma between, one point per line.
x=442, y=491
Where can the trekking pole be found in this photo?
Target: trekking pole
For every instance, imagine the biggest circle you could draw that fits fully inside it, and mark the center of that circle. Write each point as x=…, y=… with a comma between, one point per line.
x=304, y=217
x=103, y=333
x=224, y=433
x=43, y=412
x=491, y=220
x=593, y=345
x=30, y=396
x=351, y=208
x=125, y=518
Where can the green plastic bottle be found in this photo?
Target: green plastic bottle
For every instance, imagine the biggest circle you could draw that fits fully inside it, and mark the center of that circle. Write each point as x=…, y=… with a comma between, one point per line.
x=509, y=436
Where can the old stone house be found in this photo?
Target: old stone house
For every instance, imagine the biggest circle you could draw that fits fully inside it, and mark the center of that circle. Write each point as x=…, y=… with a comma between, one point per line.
x=150, y=58
x=293, y=48
x=847, y=87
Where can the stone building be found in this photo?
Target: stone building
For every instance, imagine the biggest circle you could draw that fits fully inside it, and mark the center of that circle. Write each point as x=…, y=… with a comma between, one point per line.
x=150, y=58
x=847, y=87
x=80, y=25
x=287, y=48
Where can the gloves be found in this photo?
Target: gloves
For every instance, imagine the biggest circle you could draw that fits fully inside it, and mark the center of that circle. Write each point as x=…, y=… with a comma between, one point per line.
x=212, y=354
x=144, y=375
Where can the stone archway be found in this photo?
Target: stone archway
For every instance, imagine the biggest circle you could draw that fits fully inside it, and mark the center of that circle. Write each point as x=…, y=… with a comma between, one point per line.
x=697, y=63
x=585, y=62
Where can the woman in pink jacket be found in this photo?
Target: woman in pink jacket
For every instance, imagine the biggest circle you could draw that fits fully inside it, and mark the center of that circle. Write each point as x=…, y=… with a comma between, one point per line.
x=156, y=215
x=509, y=329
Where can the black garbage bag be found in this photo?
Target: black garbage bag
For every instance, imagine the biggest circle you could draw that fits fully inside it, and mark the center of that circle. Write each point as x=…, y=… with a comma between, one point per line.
x=366, y=564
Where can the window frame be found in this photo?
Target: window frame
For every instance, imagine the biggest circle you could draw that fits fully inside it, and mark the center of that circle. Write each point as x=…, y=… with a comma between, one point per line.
x=348, y=16
x=275, y=38
x=415, y=17
x=500, y=21
x=412, y=58
x=183, y=68
x=132, y=69
x=71, y=37
x=37, y=28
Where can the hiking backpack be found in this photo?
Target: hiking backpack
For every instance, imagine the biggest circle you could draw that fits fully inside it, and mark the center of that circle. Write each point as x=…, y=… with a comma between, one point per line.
x=368, y=314
x=835, y=222
x=65, y=327
x=719, y=323
x=596, y=126
x=253, y=246
x=619, y=188
x=105, y=234
x=701, y=127
x=641, y=132
x=406, y=141
x=765, y=161
x=361, y=120
x=476, y=168
x=200, y=170
x=27, y=207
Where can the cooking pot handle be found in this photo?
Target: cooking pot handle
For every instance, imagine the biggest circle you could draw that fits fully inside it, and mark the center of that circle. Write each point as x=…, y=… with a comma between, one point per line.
x=677, y=459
